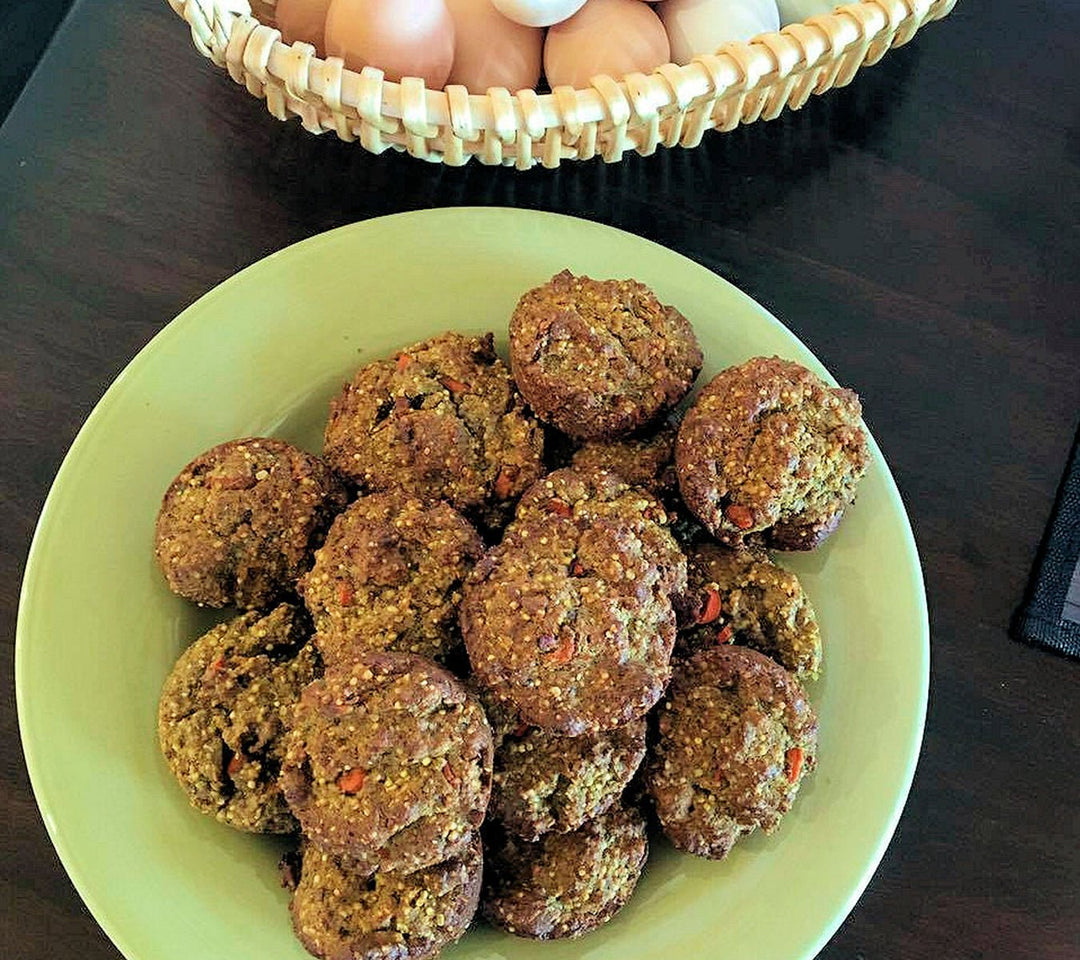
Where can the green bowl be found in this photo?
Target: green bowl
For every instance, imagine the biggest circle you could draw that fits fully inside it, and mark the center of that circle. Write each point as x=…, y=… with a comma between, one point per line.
x=262, y=354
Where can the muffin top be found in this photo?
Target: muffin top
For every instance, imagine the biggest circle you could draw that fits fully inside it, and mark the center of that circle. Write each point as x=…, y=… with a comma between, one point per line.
x=600, y=358
x=240, y=522
x=570, y=618
x=768, y=447
x=388, y=763
x=564, y=884
x=736, y=738
x=224, y=711
x=645, y=460
x=544, y=782
x=338, y=913
x=389, y=576
x=739, y=595
x=441, y=420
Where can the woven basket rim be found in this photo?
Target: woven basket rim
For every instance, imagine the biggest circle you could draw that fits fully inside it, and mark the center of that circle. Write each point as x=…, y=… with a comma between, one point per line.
x=733, y=67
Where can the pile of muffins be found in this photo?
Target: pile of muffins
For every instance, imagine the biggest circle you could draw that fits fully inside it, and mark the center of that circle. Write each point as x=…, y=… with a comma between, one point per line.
x=508, y=618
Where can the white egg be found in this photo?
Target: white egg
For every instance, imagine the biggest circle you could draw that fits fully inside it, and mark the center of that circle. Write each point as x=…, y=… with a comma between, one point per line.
x=701, y=26
x=538, y=13
x=491, y=50
x=796, y=11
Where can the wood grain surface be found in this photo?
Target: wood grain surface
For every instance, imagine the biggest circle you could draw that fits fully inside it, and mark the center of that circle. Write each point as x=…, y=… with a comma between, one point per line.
x=920, y=231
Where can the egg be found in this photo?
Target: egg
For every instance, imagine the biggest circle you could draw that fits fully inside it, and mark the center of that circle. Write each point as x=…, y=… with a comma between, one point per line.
x=491, y=50
x=263, y=10
x=403, y=38
x=615, y=37
x=303, y=20
x=701, y=26
x=796, y=11
x=538, y=13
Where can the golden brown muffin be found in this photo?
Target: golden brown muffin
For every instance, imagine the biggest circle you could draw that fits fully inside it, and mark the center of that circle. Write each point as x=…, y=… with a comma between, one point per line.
x=736, y=738
x=240, y=523
x=768, y=447
x=600, y=358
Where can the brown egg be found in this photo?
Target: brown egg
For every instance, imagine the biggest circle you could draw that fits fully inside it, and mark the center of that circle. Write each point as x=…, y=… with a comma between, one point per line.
x=491, y=50
x=615, y=37
x=303, y=20
x=403, y=38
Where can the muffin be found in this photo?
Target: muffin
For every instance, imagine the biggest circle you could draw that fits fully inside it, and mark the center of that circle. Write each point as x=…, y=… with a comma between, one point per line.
x=645, y=460
x=240, y=522
x=768, y=448
x=564, y=884
x=340, y=914
x=736, y=738
x=738, y=595
x=224, y=710
x=442, y=420
x=600, y=358
x=570, y=618
x=388, y=577
x=588, y=495
x=388, y=763
x=546, y=783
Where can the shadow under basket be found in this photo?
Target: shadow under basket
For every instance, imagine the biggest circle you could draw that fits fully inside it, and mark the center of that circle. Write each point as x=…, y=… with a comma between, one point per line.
x=673, y=105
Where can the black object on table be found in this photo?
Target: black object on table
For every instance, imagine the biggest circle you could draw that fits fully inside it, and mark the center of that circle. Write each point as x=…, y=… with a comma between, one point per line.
x=1050, y=617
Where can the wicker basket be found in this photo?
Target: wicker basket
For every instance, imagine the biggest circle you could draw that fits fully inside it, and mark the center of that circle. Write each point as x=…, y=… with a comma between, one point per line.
x=674, y=105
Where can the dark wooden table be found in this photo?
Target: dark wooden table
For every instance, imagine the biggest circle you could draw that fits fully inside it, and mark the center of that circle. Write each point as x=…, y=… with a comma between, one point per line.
x=919, y=230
